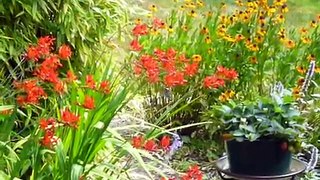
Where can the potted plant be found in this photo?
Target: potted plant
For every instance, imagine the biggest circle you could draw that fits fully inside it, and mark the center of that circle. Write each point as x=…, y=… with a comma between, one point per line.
x=261, y=135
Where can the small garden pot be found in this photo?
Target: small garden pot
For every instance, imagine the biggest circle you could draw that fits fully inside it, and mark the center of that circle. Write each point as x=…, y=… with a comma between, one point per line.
x=262, y=157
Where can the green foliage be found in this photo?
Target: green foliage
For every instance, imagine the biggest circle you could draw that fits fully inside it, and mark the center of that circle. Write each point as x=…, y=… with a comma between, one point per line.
x=83, y=24
x=263, y=118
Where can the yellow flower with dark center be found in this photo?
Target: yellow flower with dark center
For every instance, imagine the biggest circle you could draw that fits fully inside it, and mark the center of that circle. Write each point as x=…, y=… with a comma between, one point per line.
x=262, y=32
x=300, y=81
x=184, y=28
x=226, y=96
x=230, y=93
x=303, y=31
x=149, y=15
x=253, y=60
x=282, y=38
x=137, y=21
x=170, y=29
x=239, y=3
x=193, y=13
x=271, y=10
x=209, y=13
x=313, y=24
x=311, y=57
x=204, y=30
x=296, y=92
x=182, y=7
x=258, y=39
x=280, y=18
x=200, y=3
x=154, y=31
x=261, y=19
x=306, y=40
x=207, y=40
x=190, y=5
x=210, y=50
x=284, y=8
x=279, y=2
x=290, y=44
x=239, y=37
x=196, y=58
x=253, y=47
x=153, y=8
x=223, y=97
x=229, y=38
x=301, y=69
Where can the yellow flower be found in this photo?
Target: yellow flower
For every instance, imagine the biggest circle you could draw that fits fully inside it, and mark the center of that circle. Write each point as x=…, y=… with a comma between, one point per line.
x=311, y=57
x=279, y=2
x=196, y=58
x=279, y=18
x=303, y=31
x=210, y=50
x=204, y=30
x=229, y=38
x=182, y=8
x=193, y=13
x=230, y=93
x=258, y=39
x=306, y=40
x=290, y=43
x=226, y=96
x=313, y=24
x=153, y=8
x=301, y=69
x=170, y=29
x=200, y=3
x=317, y=70
x=154, y=31
x=184, y=28
x=296, y=92
x=223, y=98
x=300, y=82
x=253, y=47
x=239, y=3
x=190, y=5
x=284, y=8
x=209, y=13
x=253, y=60
x=137, y=21
x=261, y=32
x=207, y=40
x=239, y=37
x=271, y=10
x=149, y=15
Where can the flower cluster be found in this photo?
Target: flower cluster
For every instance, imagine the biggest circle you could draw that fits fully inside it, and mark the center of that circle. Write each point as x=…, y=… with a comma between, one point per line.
x=151, y=144
x=174, y=68
x=193, y=173
x=220, y=77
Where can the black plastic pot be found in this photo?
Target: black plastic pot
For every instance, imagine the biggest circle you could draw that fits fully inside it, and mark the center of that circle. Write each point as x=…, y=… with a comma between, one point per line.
x=261, y=157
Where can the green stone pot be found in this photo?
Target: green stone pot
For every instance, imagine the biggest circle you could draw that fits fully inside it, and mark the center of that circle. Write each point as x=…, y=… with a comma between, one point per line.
x=262, y=157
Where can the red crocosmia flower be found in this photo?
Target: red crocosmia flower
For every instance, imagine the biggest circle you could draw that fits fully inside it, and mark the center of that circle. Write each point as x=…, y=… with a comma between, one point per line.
x=105, y=87
x=59, y=87
x=158, y=23
x=135, y=46
x=49, y=140
x=32, y=90
x=69, y=118
x=33, y=53
x=171, y=53
x=90, y=82
x=191, y=69
x=21, y=100
x=70, y=76
x=165, y=142
x=193, y=173
x=231, y=74
x=174, y=79
x=183, y=58
x=52, y=62
x=88, y=102
x=65, y=52
x=137, y=69
x=153, y=76
x=159, y=53
x=150, y=145
x=47, y=124
x=213, y=82
x=140, y=29
x=47, y=74
x=137, y=141
x=169, y=67
x=45, y=44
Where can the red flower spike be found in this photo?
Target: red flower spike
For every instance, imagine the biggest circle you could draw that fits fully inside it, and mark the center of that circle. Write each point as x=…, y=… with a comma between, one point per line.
x=165, y=142
x=140, y=29
x=213, y=82
x=70, y=76
x=137, y=69
x=174, y=79
x=49, y=140
x=69, y=118
x=65, y=52
x=137, y=141
x=191, y=69
x=193, y=173
x=90, y=82
x=33, y=53
x=150, y=145
x=88, y=102
x=45, y=44
x=135, y=46
x=59, y=87
x=47, y=124
x=105, y=87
